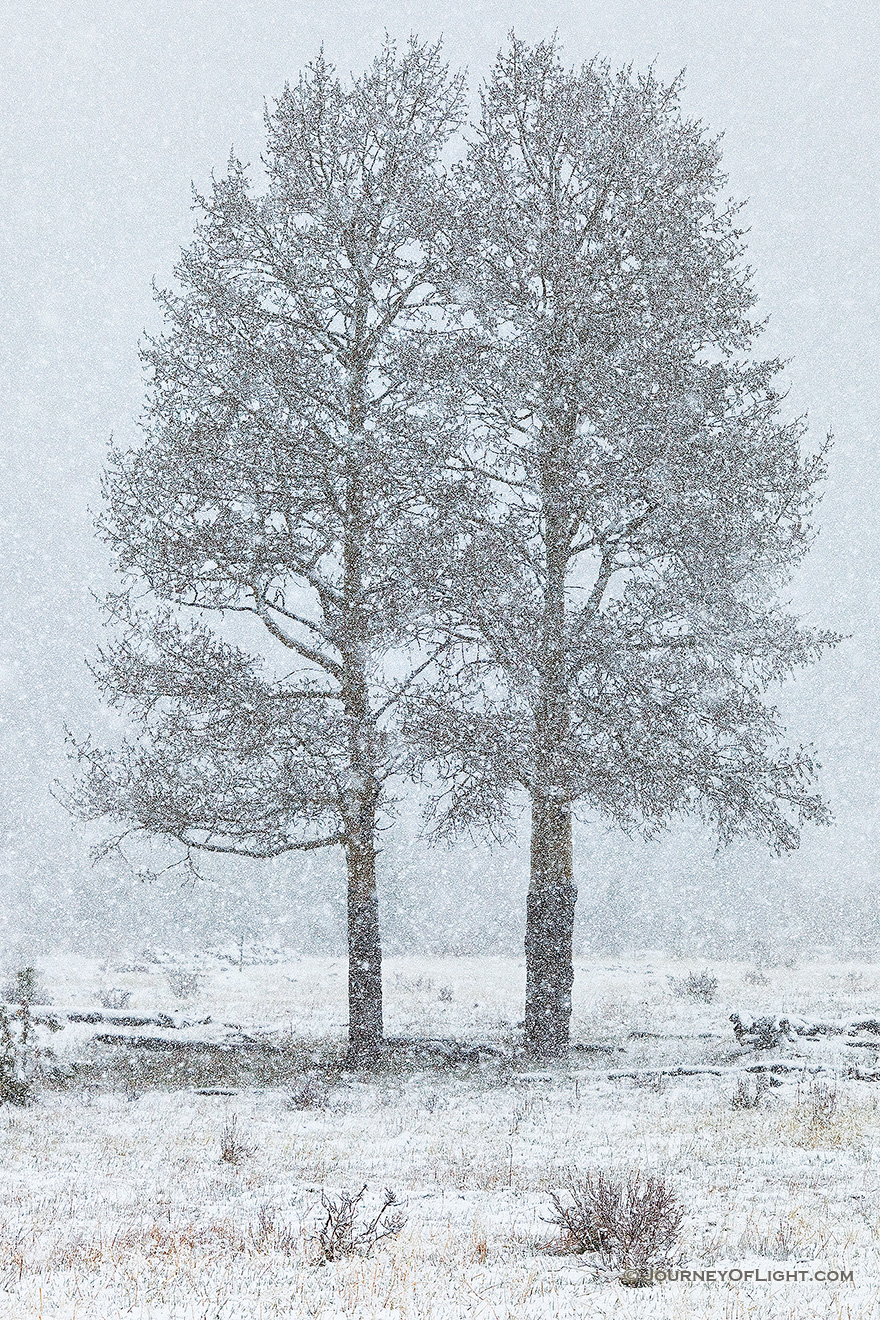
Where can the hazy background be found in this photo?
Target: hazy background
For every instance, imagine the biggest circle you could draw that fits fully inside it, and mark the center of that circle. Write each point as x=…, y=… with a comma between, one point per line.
x=109, y=111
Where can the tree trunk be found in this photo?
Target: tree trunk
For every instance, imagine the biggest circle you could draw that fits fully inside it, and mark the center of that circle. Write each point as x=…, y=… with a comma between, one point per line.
x=364, y=947
x=552, y=893
x=549, y=930
x=363, y=790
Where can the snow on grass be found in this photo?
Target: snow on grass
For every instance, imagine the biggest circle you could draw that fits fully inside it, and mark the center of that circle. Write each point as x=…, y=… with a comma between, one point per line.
x=115, y=1201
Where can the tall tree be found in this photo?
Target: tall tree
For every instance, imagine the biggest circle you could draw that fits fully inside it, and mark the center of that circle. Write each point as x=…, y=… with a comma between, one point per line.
x=283, y=485
x=643, y=500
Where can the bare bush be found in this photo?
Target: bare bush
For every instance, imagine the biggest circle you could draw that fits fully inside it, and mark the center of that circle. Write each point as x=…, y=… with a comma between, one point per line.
x=632, y=1224
x=115, y=998
x=412, y=985
x=650, y=1081
x=446, y=994
x=819, y=1103
x=182, y=984
x=756, y=977
x=702, y=986
x=270, y=1234
x=308, y=1094
x=233, y=1148
x=750, y=1092
x=341, y=1234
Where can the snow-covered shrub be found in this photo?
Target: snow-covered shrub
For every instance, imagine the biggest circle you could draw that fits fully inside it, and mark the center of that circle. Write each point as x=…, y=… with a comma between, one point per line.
x=819, y=1103
x=15, y=1084
x=631, y=1223
x=650, y=1081
x=269, y=1233
x=21, y=1056
x=233, y=1148
x=22, y=988
x=342, y=1233
x=184, y=985
x=750, y=1092
x=696, y=985
x=309, y=1094
x=115, y=998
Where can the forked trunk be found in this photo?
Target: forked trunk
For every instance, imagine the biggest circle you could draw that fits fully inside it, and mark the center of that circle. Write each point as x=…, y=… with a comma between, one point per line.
x=549, y=930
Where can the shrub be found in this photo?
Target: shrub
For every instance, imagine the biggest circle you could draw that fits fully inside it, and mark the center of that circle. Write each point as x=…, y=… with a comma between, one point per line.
x=22, y=988
x=184, y=985
x=233, y=1149
x=342, y=1235
x=702, y=986
x=115, y=998
x=819, y=1103
x=20, y=1054
x=308, y=1094
x=15, y=1086
x=749, y=1093
x=632, y=1224
x=270, y=1234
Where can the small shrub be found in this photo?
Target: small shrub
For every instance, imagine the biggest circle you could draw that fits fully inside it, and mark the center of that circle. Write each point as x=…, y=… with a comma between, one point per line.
x=341, y=1234
x=822, y=1118
x=129, y=1077
x=15, y=1085
x=819, y=1102
x=268, y=1234
x=114, y=998
x=183, y=985
x=21, y=1056
x=756, y=977
x=521, y=1111
x=22, y=988
x=632, y=1224
x=309, y=1094
x=652, y=1081
x=233, y=1149
x=750, y=1092
x=787, y=1239
x=415, y=984
x=446, y=994
x=702, y=986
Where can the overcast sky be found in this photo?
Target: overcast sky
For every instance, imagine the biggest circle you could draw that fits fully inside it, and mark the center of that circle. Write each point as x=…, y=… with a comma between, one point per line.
x=110, y=111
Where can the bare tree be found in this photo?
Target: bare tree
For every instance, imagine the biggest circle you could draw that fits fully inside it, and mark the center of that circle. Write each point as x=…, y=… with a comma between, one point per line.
x=281, y=493
x=642, y=499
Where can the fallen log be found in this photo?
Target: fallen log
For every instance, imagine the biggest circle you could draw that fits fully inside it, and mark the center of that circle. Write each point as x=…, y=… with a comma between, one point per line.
x=113, y=1017
x=766, y=1033
x=185, y=1044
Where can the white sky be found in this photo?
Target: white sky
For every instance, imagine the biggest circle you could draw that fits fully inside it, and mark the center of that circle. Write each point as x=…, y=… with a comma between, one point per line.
x=110, y=110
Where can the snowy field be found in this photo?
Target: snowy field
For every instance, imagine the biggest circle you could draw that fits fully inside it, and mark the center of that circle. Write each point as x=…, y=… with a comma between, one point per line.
x=116, y=1202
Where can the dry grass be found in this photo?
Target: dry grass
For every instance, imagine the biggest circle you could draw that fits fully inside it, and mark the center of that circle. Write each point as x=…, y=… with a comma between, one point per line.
x=113, y=1200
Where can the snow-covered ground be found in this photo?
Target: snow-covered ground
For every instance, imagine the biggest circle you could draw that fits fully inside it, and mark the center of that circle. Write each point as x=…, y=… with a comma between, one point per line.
x=115, y=1201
